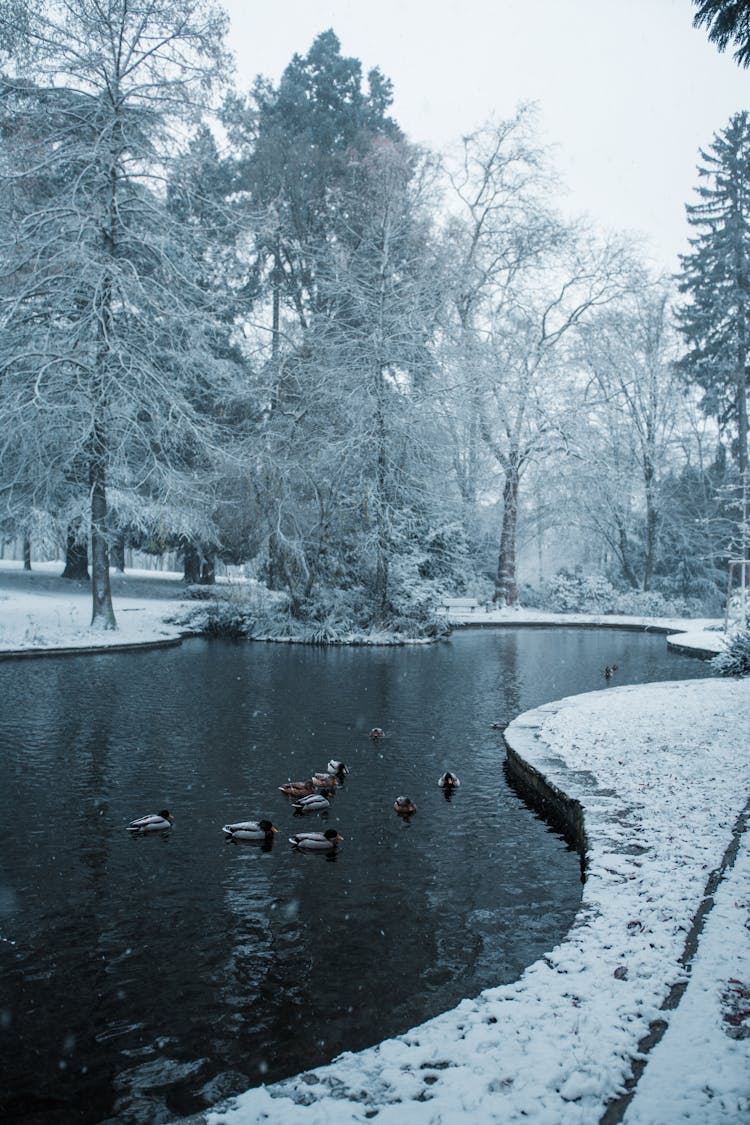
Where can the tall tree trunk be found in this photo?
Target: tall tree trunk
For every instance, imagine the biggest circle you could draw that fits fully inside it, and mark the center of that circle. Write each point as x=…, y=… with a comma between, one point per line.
x=382, y=547
x=191, y=564
x=118, y=553
x=26, y=553
x=102, y=615
x=623, y=551
x=76, y=557
x=208, y=570
x=506, y=589
x=652, y=523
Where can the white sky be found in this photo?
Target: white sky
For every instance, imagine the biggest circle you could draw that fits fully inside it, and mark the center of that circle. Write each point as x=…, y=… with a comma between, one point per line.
x=628, y=89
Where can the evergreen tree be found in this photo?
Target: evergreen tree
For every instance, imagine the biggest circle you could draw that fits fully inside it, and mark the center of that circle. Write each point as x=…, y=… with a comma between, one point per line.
x=728, y=21
x=715, y=321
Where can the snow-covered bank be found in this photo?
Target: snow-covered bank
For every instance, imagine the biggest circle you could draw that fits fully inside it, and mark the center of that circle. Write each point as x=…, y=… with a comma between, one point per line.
x=704, y=636
x=662, y=773
x=39, y=611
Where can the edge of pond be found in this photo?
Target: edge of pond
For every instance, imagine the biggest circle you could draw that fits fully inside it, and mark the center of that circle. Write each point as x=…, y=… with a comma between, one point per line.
x=172, y=642
x=90, y=650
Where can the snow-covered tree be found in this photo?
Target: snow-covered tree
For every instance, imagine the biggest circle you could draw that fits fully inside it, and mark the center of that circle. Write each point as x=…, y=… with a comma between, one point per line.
x=637, y=406
x=715, y=276
x=108, y=334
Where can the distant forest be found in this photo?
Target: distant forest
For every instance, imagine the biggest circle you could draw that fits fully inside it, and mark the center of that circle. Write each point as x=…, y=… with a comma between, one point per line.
x=266, y=328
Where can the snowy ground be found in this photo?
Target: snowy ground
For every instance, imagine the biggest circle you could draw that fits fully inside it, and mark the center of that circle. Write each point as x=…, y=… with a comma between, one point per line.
x=663, y=774
x=41, y=611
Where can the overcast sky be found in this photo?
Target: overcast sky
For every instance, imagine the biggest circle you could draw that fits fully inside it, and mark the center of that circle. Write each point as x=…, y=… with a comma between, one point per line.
x=628, y=90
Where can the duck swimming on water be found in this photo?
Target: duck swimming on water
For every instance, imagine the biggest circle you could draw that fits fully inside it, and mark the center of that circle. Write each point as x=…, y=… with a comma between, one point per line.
x=250, y=830
x=324, y=780
x=316, y=841
x=297, y=788
x=316, y=802
x=154, y=822
x=404, y=806
x=448, y=781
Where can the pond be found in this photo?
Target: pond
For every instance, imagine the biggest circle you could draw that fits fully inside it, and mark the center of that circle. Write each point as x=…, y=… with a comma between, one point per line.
x=142, y=979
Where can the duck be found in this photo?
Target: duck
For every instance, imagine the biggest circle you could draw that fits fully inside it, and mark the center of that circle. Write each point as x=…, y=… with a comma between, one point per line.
x=316, y=802
x=317, y=841
x=250, y=830
x=153, y=822
x=297, y=788
x=404, y=806
x=448, y=780
x=610, y=670
x=324, y=780
x=377, y=732
x=338, y=769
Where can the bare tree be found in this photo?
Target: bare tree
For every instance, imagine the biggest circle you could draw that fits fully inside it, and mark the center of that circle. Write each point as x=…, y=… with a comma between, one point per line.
x=638, y=397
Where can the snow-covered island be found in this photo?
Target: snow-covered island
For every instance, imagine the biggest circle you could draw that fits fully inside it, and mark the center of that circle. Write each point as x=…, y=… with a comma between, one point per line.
x=658, y=778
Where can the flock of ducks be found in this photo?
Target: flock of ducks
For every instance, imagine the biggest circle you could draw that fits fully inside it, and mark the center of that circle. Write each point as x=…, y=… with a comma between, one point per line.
x=312, y=795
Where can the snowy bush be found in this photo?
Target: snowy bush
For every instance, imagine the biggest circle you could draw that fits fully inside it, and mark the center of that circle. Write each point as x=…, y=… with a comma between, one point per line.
x=575, y=593
x=650, y=603
x=217, y=618
x=735, y=659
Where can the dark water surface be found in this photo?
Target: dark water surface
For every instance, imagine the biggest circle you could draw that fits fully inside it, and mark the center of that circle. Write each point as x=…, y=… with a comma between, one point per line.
x=141, y=979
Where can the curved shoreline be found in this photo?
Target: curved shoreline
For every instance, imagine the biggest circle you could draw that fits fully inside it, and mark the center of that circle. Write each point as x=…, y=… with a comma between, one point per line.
x=671, y=631
x=89, y=650
x=562, y=1042
x=567, y=814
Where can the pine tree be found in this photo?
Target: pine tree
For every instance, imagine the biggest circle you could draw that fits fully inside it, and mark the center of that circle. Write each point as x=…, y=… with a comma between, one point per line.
x=728, y=21
x=715, y=321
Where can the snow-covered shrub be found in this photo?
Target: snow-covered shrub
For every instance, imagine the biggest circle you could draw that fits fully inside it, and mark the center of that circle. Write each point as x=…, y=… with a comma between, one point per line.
x=218, y=618
x=735, y=659
x=650, y=603
x=576, y=593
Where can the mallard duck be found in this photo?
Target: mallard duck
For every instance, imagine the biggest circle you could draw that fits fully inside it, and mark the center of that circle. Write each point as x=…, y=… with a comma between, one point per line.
x=338, y=769
x=250, y=830
x=448, y=781
x=316, y=841
x=297, y=788
x=404, y=806
x=154, y=822
x=377, y=732
x=324, y=780
x=316, y=802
